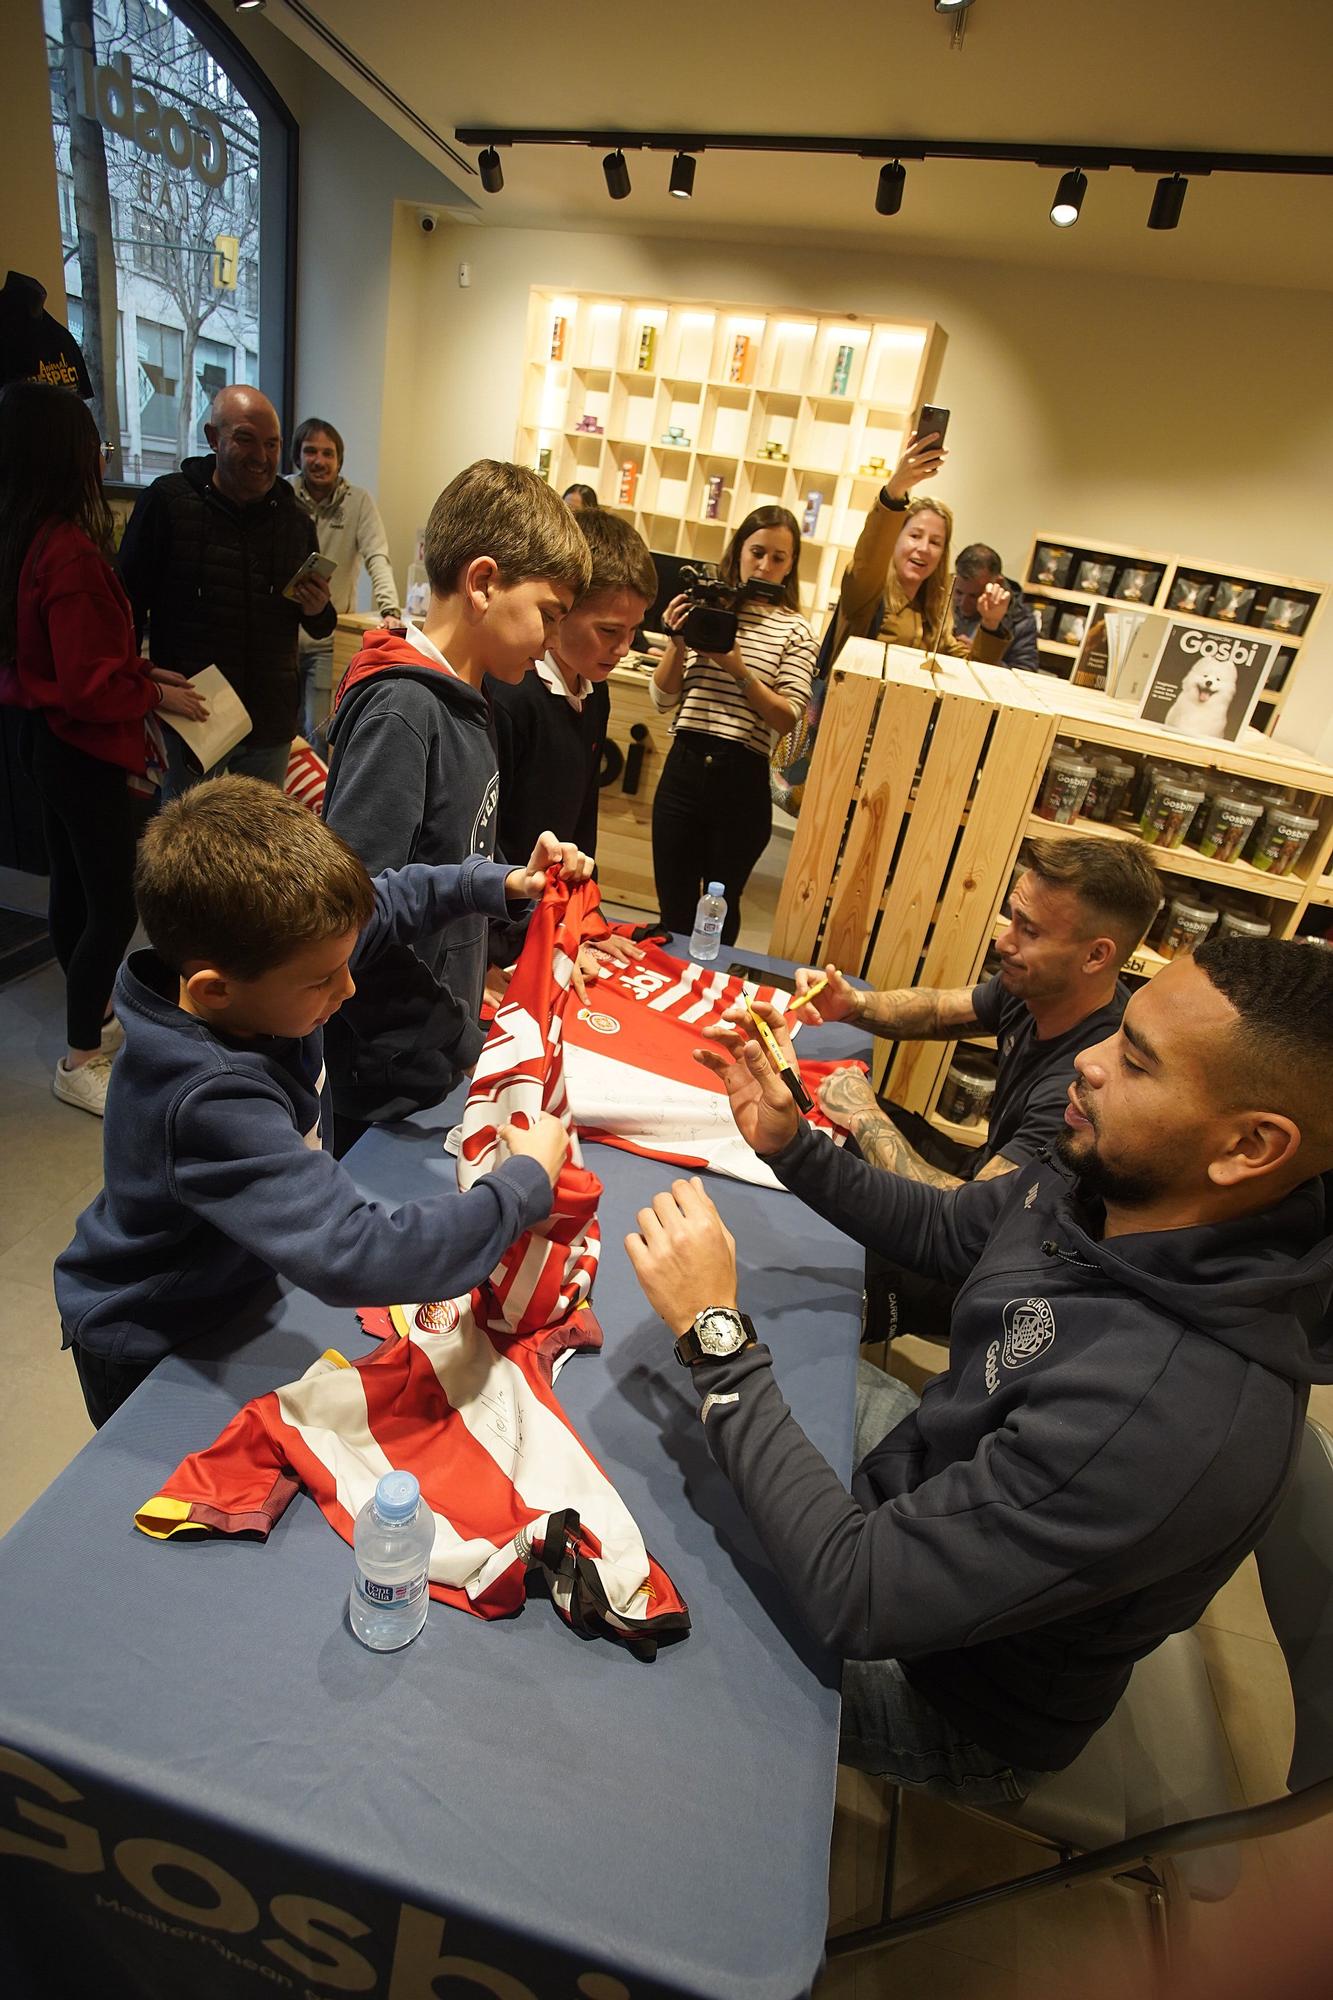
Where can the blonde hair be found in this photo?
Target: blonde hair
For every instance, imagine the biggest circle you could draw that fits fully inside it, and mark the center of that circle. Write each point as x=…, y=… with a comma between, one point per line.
x=509, y=514
x=237, y=875
x=933, y=599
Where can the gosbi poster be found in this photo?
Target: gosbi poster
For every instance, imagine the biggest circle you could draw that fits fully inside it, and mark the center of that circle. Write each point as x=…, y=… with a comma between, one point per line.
x=1206, y=682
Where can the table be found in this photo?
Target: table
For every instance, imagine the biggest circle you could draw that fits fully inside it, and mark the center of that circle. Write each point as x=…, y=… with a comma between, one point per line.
x=211, y=1789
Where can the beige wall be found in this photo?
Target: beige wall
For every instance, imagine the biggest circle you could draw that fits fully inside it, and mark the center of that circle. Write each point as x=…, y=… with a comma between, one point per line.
x=31, y=236
x=1134, y=410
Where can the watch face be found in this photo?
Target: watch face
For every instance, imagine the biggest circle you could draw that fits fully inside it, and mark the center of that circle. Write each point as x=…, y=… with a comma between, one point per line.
x=719, y=1331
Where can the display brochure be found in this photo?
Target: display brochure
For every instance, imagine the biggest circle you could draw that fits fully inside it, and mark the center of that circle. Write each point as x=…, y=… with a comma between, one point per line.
x=228, y=720
x=1205, y=682
x=1139, y=641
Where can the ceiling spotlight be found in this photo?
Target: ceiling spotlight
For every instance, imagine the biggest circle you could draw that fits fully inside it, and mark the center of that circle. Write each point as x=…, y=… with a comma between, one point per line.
x=681, y=183
x=889, y=193
x=248, y=6
x=492, y=173
x=952, y=6
x=1167, y=202
x=1069, y=198
x=617, y=175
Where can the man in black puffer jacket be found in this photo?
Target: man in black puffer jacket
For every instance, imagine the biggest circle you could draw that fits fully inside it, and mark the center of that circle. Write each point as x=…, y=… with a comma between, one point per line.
x=206, y=557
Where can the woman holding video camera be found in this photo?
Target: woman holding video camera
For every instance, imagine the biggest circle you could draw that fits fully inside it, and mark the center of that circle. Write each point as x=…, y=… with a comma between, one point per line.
x=898, y=584
x=712, y=813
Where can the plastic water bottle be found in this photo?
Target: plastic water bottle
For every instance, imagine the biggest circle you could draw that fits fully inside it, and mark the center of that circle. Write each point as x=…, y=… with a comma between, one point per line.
x=392, y=1540
x=706, y=937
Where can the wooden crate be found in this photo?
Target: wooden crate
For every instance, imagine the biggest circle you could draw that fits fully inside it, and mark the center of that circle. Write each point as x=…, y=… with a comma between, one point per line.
x=914, y=811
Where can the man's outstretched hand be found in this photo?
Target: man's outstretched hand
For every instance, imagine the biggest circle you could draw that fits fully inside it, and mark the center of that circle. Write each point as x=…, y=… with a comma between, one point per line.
x=762, y=1106
x=683, y=1254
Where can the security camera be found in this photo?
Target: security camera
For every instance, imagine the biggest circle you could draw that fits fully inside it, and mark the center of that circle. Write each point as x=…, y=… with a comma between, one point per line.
x=427, y=221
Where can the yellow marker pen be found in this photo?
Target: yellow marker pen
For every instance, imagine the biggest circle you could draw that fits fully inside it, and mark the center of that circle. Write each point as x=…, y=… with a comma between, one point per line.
x=768, y=1043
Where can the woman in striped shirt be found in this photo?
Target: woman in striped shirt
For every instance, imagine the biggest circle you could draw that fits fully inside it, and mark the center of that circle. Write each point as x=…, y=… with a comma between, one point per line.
x=712, y=814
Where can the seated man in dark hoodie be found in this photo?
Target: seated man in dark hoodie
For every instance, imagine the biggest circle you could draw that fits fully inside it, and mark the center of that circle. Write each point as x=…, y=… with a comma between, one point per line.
x=216, y=1179
x=1129, y=1367
x=413, y=775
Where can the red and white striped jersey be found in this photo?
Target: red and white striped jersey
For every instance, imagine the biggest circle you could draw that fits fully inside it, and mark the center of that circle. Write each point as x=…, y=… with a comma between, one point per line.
x=459, y=1391
x=307, y=776
x=631, y=1074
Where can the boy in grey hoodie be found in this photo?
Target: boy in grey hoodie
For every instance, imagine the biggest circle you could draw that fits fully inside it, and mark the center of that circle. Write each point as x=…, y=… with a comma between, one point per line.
x=1137, y=1326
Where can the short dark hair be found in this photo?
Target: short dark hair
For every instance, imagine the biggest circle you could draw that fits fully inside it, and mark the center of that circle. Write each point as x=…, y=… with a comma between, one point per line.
x=507, y=513
x=1114, y=880
x=1283, y=994
x=308, y=429
x=585, y=493
x=236, y=874
x=978, y=560
x=767, y=517
x=620, y=556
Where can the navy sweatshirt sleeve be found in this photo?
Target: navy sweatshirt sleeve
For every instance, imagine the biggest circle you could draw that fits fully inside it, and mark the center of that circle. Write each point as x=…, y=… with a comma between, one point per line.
x=419, y=899
x=377, y=799
x=239, y=1163
x=940, y=1232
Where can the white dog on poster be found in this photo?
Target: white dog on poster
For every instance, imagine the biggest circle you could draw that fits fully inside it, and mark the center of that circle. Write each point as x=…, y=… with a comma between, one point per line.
x=1206, y=693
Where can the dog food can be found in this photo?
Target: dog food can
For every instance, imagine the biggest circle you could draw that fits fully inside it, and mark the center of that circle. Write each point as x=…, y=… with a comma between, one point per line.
x=1228, y=820
x=1064, y=787
x=1095, y=576
x=969, y=1089
x=1110, y=787
x=1170, y=806
x=1231, y=924
x=1232, y=601
x=1185, y=924
x=1137, y=586
x=1051, y=565
x=1190, y=593
x=1281, y=840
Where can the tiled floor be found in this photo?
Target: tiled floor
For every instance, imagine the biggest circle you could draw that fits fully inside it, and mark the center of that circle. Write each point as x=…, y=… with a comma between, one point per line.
x=1091, y=1940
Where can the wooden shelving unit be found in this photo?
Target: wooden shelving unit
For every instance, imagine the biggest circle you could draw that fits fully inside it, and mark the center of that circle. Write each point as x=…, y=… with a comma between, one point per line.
x=833, y=393
x=1165, y=577
x=920, y=796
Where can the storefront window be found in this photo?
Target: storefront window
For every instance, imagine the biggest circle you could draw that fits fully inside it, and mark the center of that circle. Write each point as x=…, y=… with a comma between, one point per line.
x=166, y=145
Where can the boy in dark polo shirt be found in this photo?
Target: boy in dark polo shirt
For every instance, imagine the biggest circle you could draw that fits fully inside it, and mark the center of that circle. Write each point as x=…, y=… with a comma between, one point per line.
x=550, y=727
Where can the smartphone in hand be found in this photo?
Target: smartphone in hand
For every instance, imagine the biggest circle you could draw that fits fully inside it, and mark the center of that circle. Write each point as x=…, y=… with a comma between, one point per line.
x=933, y=422
x=315, y=566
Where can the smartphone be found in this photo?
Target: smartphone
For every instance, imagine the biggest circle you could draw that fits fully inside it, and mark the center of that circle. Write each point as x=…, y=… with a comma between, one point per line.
x=314, y=565
x=932, y=422
x=762, y=975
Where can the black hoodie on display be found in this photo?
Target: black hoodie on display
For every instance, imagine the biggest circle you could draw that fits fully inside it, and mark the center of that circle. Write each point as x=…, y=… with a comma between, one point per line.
x=1114, y=1434
x=413, y=777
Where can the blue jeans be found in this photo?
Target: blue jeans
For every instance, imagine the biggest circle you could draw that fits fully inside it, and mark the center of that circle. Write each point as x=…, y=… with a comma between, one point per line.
x=887, y=1727
x=267, y=761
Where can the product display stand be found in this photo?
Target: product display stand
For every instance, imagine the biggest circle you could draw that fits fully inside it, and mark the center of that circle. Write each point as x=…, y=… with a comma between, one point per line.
x=921, y=792
x=683, y=418
x=1066, y=575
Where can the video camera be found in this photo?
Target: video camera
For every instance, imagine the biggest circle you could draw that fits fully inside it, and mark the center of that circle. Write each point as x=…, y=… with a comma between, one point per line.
x=711, y=623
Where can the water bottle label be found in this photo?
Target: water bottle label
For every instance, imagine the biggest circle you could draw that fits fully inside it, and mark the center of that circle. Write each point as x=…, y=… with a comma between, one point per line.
x=371, y=1592
x=709, y=926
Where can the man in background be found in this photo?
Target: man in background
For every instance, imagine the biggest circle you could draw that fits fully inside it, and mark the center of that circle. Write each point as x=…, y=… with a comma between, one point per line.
x=207, y=556
x=977, y=566
x=350, y=531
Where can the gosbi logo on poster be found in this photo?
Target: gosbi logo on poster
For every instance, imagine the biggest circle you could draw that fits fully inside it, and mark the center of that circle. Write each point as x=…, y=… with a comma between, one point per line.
x=179, y=1902
x=1218, y=647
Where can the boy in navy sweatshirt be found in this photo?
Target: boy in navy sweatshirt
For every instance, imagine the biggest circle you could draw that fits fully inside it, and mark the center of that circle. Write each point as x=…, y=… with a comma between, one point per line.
x=215, y=1175
x=414, y=776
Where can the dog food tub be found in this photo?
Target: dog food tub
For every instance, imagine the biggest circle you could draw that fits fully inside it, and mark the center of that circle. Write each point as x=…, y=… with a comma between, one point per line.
x=1168, y=809
x=1232, y=924
x=1110, y=787
x=1185, y=924
x=1228, y=821
x=1281, y=839
x=1064, y=787
x=968, y=1091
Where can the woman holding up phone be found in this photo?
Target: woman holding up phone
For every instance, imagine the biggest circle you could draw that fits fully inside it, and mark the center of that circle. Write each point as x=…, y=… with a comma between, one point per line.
x=898, y=583
x=712, y=811
x=68, y=656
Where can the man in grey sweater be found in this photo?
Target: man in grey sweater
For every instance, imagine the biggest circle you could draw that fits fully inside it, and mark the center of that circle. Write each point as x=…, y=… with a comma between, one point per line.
x=1138, y=1322
x=350, y=531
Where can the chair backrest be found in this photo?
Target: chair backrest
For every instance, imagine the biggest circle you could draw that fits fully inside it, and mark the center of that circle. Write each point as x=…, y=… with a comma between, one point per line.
x=1295, y=1561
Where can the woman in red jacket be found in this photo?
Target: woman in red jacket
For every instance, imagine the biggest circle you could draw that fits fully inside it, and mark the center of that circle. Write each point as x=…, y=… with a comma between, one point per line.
x=68, y=656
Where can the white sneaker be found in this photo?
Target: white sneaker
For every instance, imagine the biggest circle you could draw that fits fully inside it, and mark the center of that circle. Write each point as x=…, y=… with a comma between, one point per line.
x=113, y=1035
x=84, y=1086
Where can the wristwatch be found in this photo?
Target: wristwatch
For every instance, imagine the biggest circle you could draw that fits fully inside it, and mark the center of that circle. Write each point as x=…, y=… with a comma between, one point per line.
x=886, y=499
x=717, y=1332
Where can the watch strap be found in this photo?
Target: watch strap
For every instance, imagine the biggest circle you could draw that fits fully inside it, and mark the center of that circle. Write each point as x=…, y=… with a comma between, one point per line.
x=894, y=506
x=688, y=1350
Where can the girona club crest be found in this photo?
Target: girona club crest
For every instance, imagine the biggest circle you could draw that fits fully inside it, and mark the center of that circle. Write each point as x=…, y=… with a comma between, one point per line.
x=1029, y=1329
x=439, y=1316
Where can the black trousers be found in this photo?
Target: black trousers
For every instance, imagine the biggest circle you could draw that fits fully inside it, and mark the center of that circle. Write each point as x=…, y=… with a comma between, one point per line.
x=712, y=817
x=92, y=822
x=106, y=1384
